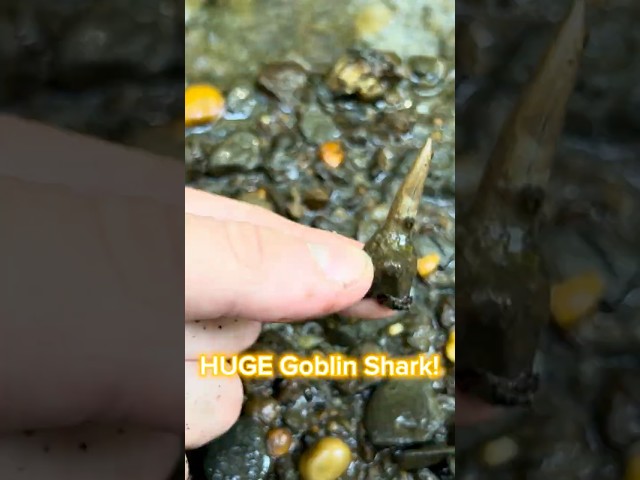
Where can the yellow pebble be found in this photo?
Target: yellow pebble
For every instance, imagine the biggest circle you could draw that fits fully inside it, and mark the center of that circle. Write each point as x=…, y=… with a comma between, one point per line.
x=202, y=104
x=326, y=460
x=261, y=193
x=450, y=348
x=500, y=451
x=576, y=297
x=395, y=329
x=632, y=470
x=372, y=19
x=428, y=264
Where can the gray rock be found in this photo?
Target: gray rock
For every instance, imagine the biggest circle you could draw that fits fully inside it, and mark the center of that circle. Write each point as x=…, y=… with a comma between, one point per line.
x=403, y=412
x=423, y=332
x=239, y=152
x=354, y=332
x=285, y=80
x=239, y=453
x=241, y=102
x=318, y=127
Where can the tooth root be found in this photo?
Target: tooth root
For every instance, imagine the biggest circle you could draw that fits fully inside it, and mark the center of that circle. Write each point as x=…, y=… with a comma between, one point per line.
x=523, y=154
x=407, y=200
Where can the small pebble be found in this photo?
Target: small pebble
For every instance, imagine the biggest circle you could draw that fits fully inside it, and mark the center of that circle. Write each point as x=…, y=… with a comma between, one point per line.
x=202, y=104
x=257, y=197
x=326, y=460
x=264, y=409
x=428, y=264
x=316, y=198
x=576, y=297
x=332, y=154
x=278, y=441
x=333, y=426
x=395, y=329
x=450, y=348
x=372, y=19
x=309, y=341
x=500, y=451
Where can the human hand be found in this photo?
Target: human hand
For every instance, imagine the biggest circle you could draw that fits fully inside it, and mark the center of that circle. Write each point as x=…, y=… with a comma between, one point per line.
x=245, y=265
x=90, y=376
x=90, y=308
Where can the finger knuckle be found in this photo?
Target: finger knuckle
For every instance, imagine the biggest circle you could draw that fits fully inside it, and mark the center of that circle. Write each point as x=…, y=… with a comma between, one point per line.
x=247, y=247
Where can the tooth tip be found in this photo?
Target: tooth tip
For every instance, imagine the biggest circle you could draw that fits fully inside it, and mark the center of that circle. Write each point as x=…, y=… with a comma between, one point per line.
x=428, y=147
x=426, y=154
x=524, y=151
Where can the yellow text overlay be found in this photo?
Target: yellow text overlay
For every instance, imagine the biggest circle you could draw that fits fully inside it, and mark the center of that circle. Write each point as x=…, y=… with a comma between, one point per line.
x=334, y=366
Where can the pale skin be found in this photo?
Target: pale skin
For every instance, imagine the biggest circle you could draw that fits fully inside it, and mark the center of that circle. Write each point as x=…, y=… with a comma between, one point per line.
x=67, y=199
x=264, y=257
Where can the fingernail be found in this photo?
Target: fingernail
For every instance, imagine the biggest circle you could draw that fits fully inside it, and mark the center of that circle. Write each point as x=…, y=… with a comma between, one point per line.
x=344, y=264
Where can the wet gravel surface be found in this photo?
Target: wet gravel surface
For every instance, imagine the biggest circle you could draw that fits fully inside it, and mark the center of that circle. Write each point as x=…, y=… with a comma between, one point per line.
x=84, y=71
x=380, y=107
x=585, y=423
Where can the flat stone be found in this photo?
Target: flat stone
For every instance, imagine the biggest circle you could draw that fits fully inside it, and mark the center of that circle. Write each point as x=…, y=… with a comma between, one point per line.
x=318, y=127
x=239, y=152
x=403, y=412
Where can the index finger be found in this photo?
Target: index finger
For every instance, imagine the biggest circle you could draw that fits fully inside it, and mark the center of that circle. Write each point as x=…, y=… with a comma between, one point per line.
x=239, y=269
x=205, y=204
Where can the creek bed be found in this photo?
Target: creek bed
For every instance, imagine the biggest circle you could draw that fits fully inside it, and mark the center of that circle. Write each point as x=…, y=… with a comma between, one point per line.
x=373, y=80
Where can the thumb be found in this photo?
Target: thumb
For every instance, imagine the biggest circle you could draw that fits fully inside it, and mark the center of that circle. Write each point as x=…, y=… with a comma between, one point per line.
x=260, y=273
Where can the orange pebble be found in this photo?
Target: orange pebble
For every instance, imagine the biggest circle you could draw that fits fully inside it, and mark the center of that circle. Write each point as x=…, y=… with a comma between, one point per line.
x=202, y=104
x=332, y=154
x=279, y=441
